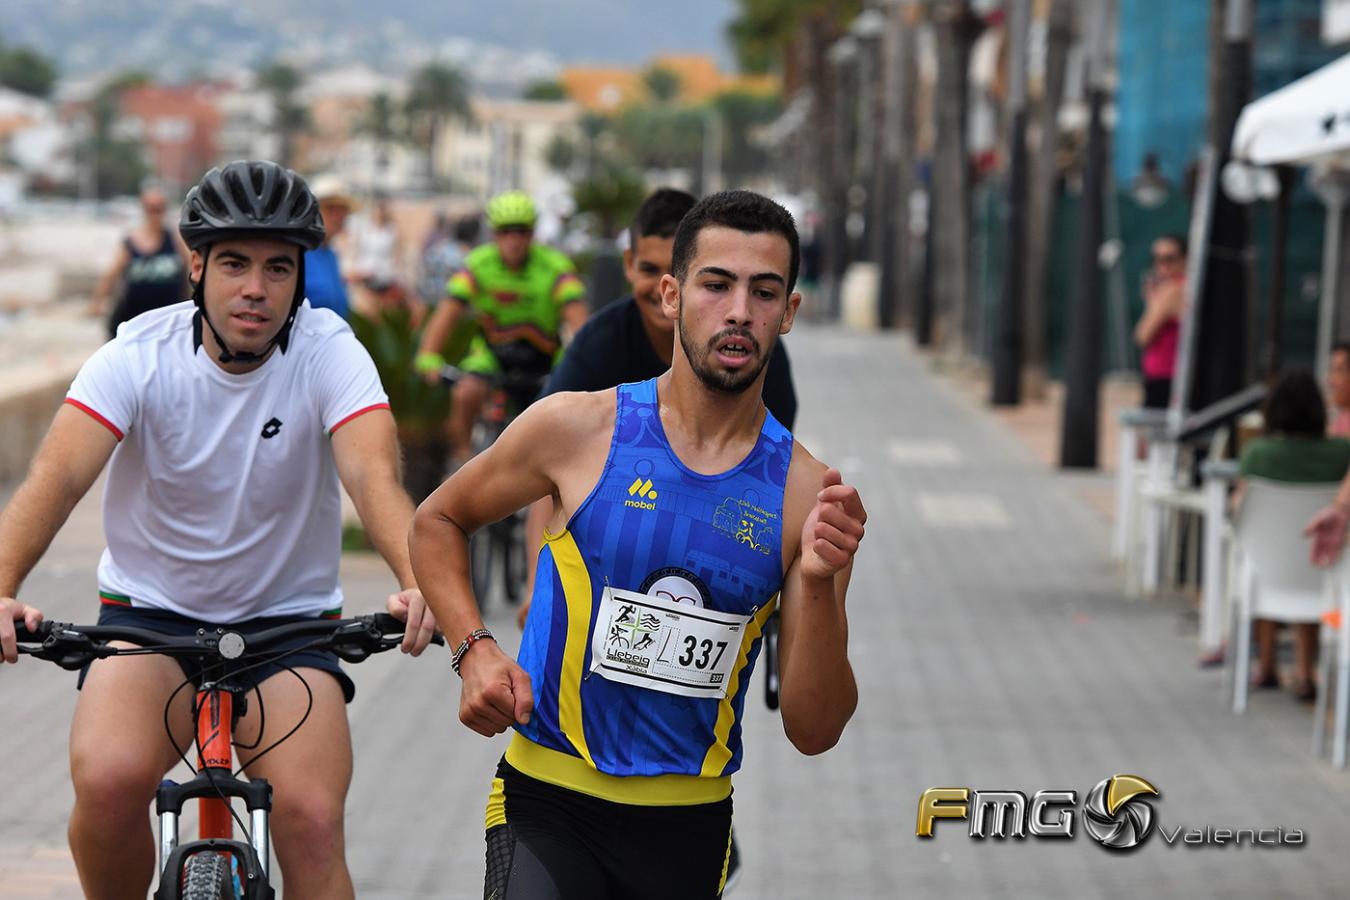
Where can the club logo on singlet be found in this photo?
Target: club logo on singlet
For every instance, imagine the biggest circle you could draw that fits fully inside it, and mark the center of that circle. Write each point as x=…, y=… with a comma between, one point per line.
x=746, y=522
x=272, y=428
x=641, y=493
x=677, y=585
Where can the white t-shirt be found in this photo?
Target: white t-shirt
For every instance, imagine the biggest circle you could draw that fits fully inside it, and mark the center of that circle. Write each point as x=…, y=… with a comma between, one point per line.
x=222, y=498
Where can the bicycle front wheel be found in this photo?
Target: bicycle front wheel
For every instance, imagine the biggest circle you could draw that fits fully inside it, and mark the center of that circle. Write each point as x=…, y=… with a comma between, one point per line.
x=206, y=876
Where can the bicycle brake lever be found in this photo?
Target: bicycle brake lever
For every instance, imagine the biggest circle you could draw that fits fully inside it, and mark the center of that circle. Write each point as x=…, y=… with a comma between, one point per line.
x=71, y=650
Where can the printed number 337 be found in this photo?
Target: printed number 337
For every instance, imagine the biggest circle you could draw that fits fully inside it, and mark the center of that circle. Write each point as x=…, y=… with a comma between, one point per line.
x=692, y=646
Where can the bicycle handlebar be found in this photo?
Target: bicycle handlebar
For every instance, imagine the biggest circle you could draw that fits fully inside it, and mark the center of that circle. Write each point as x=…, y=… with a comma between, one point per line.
x=508, y=380
x=75, y=646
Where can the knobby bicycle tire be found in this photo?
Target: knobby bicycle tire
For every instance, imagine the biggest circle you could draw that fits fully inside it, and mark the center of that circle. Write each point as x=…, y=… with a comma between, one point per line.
x=206, y=876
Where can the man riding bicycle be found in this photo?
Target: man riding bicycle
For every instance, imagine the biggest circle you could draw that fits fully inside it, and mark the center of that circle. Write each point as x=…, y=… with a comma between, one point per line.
x=226, y=423
x=522, y=294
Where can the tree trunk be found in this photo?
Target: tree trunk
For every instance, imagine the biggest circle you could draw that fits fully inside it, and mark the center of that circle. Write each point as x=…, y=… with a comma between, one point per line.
x=886, y=205
x=1042, y=192
x=843, y=111
x=951, y=175
x=905, y=141
x=1223, y=358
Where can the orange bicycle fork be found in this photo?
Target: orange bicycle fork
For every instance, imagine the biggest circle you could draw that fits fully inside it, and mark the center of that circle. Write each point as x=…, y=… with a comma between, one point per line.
x=212, y=787
x=215, y=720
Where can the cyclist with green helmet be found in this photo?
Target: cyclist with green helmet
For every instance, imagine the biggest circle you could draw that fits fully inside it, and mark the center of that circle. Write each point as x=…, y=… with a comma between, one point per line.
x=522, y=294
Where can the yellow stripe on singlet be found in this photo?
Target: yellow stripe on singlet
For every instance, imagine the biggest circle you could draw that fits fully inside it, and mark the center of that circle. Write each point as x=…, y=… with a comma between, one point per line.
x=567, y=771
x=576, y=583
x=719, y=754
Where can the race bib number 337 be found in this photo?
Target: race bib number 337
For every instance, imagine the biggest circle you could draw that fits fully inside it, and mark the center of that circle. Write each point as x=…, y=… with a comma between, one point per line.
x=663, y=646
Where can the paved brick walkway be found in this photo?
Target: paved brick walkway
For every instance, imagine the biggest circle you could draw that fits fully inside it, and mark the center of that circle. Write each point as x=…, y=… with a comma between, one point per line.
x=993, y=647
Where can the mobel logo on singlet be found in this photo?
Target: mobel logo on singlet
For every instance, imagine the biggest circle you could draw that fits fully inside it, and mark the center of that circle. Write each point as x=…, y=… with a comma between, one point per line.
x=641, y=494
x=272, y=428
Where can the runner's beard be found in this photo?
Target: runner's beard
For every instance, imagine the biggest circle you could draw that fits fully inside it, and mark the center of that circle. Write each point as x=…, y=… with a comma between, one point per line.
x=733, y=381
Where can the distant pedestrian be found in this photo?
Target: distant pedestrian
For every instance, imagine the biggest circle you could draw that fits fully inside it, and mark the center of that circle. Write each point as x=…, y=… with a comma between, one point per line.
x=150, y=267
x=1159, y=329
x=376, y=246
x=443, y=254
x=1338, y=389
x=325, y=286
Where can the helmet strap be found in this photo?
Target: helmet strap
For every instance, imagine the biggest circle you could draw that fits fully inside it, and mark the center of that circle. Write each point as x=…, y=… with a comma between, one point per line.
x=280, y=340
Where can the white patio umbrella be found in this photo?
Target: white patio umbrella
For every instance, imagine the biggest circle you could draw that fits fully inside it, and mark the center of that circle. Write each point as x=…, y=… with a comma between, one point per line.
x=1304, y=123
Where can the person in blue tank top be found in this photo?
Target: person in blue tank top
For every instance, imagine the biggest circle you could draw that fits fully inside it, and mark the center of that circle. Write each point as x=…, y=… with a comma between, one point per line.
x=684, y=514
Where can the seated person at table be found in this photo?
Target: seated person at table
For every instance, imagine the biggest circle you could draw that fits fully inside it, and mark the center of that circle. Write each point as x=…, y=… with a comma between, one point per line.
x=1294, y=449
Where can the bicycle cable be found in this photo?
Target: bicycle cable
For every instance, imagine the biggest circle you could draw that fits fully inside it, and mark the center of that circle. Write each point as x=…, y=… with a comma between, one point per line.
x=309, y=707
x=207, y=770
x=262, y=719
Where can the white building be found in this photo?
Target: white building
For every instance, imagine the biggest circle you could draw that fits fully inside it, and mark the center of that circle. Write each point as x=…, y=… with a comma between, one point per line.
x=505, y=147
x=36, y=142
x=339, y=101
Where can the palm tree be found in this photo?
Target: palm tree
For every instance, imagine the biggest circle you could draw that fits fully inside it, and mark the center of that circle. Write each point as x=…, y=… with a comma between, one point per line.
x=382, y=124
x=283, y=83
x=955, y=26
x=439, y=93
x=663, y=84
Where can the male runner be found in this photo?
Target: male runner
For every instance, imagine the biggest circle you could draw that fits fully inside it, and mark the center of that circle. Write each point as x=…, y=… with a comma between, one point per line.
x=684, y=513
x=523, y=294
x=229, y=420
x=631, y=339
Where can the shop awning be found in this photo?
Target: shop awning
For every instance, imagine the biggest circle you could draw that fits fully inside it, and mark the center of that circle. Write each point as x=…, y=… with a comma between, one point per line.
x=1305, y=122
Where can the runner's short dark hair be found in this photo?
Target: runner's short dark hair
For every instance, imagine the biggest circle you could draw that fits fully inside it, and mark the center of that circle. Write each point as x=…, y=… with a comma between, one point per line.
x=659, y=215
x=744, y=211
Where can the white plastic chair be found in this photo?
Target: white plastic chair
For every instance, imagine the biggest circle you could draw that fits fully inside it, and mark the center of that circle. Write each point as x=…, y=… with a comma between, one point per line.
x=1165, y=498
x=1274, y=578
x=1335, y=652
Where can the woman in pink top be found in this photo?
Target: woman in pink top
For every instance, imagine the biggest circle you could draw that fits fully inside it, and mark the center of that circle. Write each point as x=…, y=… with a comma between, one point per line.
x=1338, y=390
x=1160, y=326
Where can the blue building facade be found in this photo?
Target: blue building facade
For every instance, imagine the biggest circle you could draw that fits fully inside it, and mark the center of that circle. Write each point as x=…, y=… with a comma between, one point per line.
x=1163, y=63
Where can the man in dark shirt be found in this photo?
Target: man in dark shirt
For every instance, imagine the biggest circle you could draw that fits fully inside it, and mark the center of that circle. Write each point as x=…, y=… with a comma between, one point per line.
x=630, y=339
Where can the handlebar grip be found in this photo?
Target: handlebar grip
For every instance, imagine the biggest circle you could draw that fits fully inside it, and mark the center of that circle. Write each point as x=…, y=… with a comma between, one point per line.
x=43, y=631
x=388, y=624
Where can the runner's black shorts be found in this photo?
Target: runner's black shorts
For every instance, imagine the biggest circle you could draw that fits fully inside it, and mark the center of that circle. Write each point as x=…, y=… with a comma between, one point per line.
x=251, y=672
x=545, y=842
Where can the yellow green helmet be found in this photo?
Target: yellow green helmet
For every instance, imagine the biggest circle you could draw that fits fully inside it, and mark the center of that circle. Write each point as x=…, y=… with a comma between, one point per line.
x=511, y=209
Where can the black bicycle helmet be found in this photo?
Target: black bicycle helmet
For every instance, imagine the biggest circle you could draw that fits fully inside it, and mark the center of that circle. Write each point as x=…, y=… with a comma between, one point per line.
x=251, y=199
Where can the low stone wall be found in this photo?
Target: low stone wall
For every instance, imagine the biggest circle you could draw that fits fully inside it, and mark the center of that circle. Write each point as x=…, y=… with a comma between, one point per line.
x=28, y=401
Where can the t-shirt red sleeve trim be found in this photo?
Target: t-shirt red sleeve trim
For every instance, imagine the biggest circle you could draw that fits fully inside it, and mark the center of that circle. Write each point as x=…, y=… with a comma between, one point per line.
x=117, y=432
x=359, y=412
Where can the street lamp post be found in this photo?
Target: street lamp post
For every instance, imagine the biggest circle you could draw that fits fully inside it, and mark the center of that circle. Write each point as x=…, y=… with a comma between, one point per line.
x=842, y=55
x=1078, y=437
x=873, y=29
x=1007, y=381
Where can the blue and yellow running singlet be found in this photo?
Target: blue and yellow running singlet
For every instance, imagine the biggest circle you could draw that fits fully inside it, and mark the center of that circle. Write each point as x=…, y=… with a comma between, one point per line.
x=654, y=527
